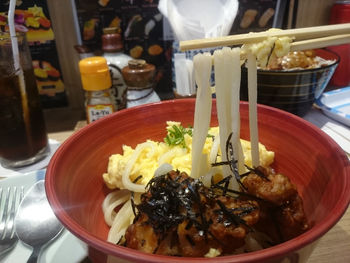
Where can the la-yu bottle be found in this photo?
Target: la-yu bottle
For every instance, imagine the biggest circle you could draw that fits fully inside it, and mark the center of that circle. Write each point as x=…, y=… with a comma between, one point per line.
x=96, y=81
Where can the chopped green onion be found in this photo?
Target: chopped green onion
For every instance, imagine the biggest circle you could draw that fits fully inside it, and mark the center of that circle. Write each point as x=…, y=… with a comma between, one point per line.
x=176, y=135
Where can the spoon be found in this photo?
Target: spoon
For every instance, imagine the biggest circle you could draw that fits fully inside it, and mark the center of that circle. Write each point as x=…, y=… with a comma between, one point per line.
x=36, y=224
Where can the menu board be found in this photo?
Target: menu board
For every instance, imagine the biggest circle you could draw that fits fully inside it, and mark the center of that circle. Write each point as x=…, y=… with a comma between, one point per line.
x=32, y=17
x=141, y=26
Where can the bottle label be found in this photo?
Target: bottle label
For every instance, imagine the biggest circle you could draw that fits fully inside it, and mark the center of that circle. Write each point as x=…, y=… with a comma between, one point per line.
x=95, y=112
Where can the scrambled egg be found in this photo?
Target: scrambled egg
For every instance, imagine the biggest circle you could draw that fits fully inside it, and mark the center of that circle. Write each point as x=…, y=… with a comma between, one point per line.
x=179, y=157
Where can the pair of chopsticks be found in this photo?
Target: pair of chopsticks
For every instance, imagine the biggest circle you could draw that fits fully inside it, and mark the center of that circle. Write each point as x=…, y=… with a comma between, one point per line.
x=305, y=38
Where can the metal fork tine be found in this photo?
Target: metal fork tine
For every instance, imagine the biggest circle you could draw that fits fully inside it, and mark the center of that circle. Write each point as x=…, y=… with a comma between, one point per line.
x=21, y=194
x=1, y=198
x=2, y=224
x=9, y=203
x=5, y=212
x=10, y=219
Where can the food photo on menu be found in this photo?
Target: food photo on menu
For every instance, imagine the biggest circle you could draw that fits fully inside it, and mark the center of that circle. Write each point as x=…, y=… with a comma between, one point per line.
x=174, y=131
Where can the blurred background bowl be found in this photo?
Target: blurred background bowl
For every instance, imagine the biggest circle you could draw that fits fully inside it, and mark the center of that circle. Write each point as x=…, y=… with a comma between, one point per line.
x=293, y=91
x=313, y=161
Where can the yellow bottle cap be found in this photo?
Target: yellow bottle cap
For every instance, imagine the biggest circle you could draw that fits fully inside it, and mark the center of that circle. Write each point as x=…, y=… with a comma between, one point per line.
x=95, y=74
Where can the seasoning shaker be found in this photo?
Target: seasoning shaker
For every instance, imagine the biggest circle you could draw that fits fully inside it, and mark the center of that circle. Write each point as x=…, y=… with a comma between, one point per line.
x=96, y=81
x=112, y=47
x=139, y=78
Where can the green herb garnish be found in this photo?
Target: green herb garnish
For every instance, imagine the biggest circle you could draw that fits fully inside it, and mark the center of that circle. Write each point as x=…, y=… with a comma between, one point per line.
x=176, y=135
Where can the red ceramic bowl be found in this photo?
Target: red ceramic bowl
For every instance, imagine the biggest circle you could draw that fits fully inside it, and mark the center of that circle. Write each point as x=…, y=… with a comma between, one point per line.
x=313, y=161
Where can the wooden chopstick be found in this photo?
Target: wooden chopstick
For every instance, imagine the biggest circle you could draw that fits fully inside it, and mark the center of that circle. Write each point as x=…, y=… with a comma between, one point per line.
x=320, y=42
x=297, y=34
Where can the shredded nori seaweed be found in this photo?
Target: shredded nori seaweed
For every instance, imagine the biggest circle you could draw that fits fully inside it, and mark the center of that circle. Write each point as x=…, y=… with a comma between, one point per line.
x=170, y=200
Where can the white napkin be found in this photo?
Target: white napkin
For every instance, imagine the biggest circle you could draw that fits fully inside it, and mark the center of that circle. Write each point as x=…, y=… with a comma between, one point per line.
x=4, y=172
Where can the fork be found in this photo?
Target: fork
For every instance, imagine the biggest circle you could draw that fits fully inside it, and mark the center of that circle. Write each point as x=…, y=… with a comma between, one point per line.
x=9, y=207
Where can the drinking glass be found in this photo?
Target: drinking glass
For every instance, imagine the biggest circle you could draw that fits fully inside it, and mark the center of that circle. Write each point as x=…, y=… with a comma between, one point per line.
x=23, y=137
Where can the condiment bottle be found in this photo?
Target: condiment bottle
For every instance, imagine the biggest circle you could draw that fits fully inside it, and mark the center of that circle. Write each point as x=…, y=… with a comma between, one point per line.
x=139, y=77
x=97, y=82
x=112, y=47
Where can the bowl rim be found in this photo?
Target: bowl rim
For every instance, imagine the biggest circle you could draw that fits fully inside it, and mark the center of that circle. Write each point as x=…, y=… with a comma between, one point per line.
x=305, y=70
x=130, y=254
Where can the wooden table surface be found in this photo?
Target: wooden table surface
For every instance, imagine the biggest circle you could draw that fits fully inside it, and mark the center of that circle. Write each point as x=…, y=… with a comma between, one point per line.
x=333, y=247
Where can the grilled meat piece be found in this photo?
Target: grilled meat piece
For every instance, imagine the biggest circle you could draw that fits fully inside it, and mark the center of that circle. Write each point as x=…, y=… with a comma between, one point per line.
x=286, y=213
x=291, y=218
x=275, y=188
